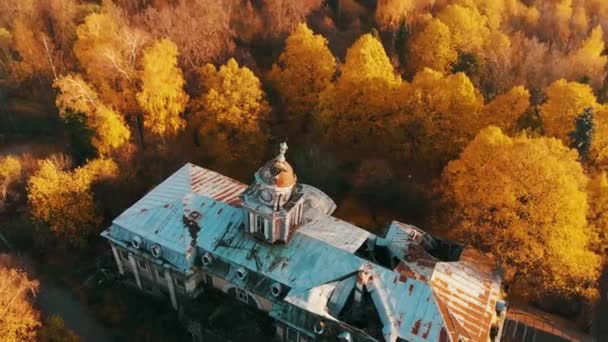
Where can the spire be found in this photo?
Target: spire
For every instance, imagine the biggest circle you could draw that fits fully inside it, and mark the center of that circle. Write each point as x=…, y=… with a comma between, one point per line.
x=282, y=151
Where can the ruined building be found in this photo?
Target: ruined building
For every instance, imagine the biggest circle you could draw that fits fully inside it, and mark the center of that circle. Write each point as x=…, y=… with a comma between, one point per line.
x=274, y=245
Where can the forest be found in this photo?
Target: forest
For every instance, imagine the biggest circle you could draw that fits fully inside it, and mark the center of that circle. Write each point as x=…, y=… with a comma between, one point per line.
x=485, y=121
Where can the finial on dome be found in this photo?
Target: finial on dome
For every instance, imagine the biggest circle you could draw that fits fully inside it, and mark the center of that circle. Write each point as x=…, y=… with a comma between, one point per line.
x=282, y=151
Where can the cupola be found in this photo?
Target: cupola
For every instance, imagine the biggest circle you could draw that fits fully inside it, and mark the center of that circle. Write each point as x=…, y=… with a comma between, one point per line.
x=273, y=203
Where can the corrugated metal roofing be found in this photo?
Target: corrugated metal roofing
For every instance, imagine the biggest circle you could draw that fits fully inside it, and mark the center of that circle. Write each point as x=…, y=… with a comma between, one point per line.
x=423, y=299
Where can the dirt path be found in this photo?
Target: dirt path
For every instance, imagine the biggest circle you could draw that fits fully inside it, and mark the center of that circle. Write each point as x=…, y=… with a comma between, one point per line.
x=54, y=299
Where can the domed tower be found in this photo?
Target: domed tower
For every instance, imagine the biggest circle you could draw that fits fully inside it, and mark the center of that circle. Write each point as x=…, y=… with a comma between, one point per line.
x=273, y=203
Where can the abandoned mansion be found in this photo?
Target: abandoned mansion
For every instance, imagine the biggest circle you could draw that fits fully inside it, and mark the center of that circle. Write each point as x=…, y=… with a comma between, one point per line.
x=275, y=246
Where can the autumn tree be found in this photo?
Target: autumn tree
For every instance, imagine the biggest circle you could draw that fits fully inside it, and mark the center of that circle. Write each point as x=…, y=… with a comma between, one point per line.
x=390, y=13
x=432, y=47
x=467, y=26
x=10, y=170
x=524, y=200
x=201, y=29
x=565, y=100
x=54, y=330
x=589, y=59
x=63, y=199
x=75, y=96
x=162, y=97
x=598, y=154
x=108, y=49
x=303, y=71
x=505, y=109
x=365, y=98
x=18, y=317
x=449, y=109
x=598, y=208
x=232, y=113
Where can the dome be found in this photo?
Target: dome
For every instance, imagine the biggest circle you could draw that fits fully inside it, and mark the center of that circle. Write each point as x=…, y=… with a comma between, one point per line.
x=278, y=173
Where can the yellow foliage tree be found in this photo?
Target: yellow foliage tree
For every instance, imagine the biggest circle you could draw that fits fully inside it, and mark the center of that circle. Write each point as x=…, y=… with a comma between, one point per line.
x=432, y=47
x=366, y=95
x=449, y=109
x=63, y=199
x=507, y=108
x=108, y=50
x=76, y=96
x=302, y=72
x=162, y=97
x=599, y=142
x=589, y=60
x=524, y=199
x=10, y=170
x=232, y=113
x=468, y=27
x=598, y=207
x=18, y=317
x=565, y=101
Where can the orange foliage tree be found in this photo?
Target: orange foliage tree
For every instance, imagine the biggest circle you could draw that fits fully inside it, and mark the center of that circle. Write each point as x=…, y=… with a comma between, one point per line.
x=524, y=199
x=304, y=70
x=18, y=317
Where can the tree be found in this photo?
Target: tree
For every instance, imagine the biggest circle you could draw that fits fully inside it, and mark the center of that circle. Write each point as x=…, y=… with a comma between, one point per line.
x=232, y=113
x=449, y=109
x=433, y=48
x=303, y=71
x=507, y=108
x=582, y=135
x=524, y=200
x=63, y=199
x=54, y=330
x=162, y=96
x=565, y=100
x=598, y=208
x=200, y=29
x=108, y=49
x=75, y=96
x=10, y=170
x=599, y=144
x=18, y=317
x=589, y=60
x=366, y=95
x=468, y=27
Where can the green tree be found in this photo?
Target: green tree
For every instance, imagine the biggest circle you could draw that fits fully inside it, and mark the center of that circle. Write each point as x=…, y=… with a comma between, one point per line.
x=582, y=135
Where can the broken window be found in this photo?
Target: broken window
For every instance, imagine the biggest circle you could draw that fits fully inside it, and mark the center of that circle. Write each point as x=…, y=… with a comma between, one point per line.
x=242, y=295
x=179, y=281
x=142, y=264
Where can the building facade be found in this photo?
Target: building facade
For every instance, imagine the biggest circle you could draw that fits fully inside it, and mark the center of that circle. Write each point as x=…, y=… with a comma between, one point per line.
x=275, y=246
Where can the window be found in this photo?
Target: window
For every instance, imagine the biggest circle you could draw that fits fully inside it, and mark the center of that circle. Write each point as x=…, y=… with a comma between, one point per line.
x=292, y=335
x=242, y=295
x=124, y=254
x=142, y=264
x=259, y=225
x=179, y=281
x=160, y=274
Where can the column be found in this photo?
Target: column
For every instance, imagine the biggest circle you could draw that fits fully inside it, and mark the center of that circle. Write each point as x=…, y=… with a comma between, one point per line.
x=117, y=258
x=135, y=270
x=267, y=234
x=251, y=223
x=171, y=288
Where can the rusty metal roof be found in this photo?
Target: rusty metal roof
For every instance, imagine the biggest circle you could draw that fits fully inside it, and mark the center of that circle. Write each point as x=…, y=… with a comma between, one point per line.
x=421, y=299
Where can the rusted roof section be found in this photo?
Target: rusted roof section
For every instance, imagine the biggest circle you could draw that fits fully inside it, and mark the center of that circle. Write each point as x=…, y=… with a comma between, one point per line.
x=190, y=178
x=465, y=290
x=470, y=289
